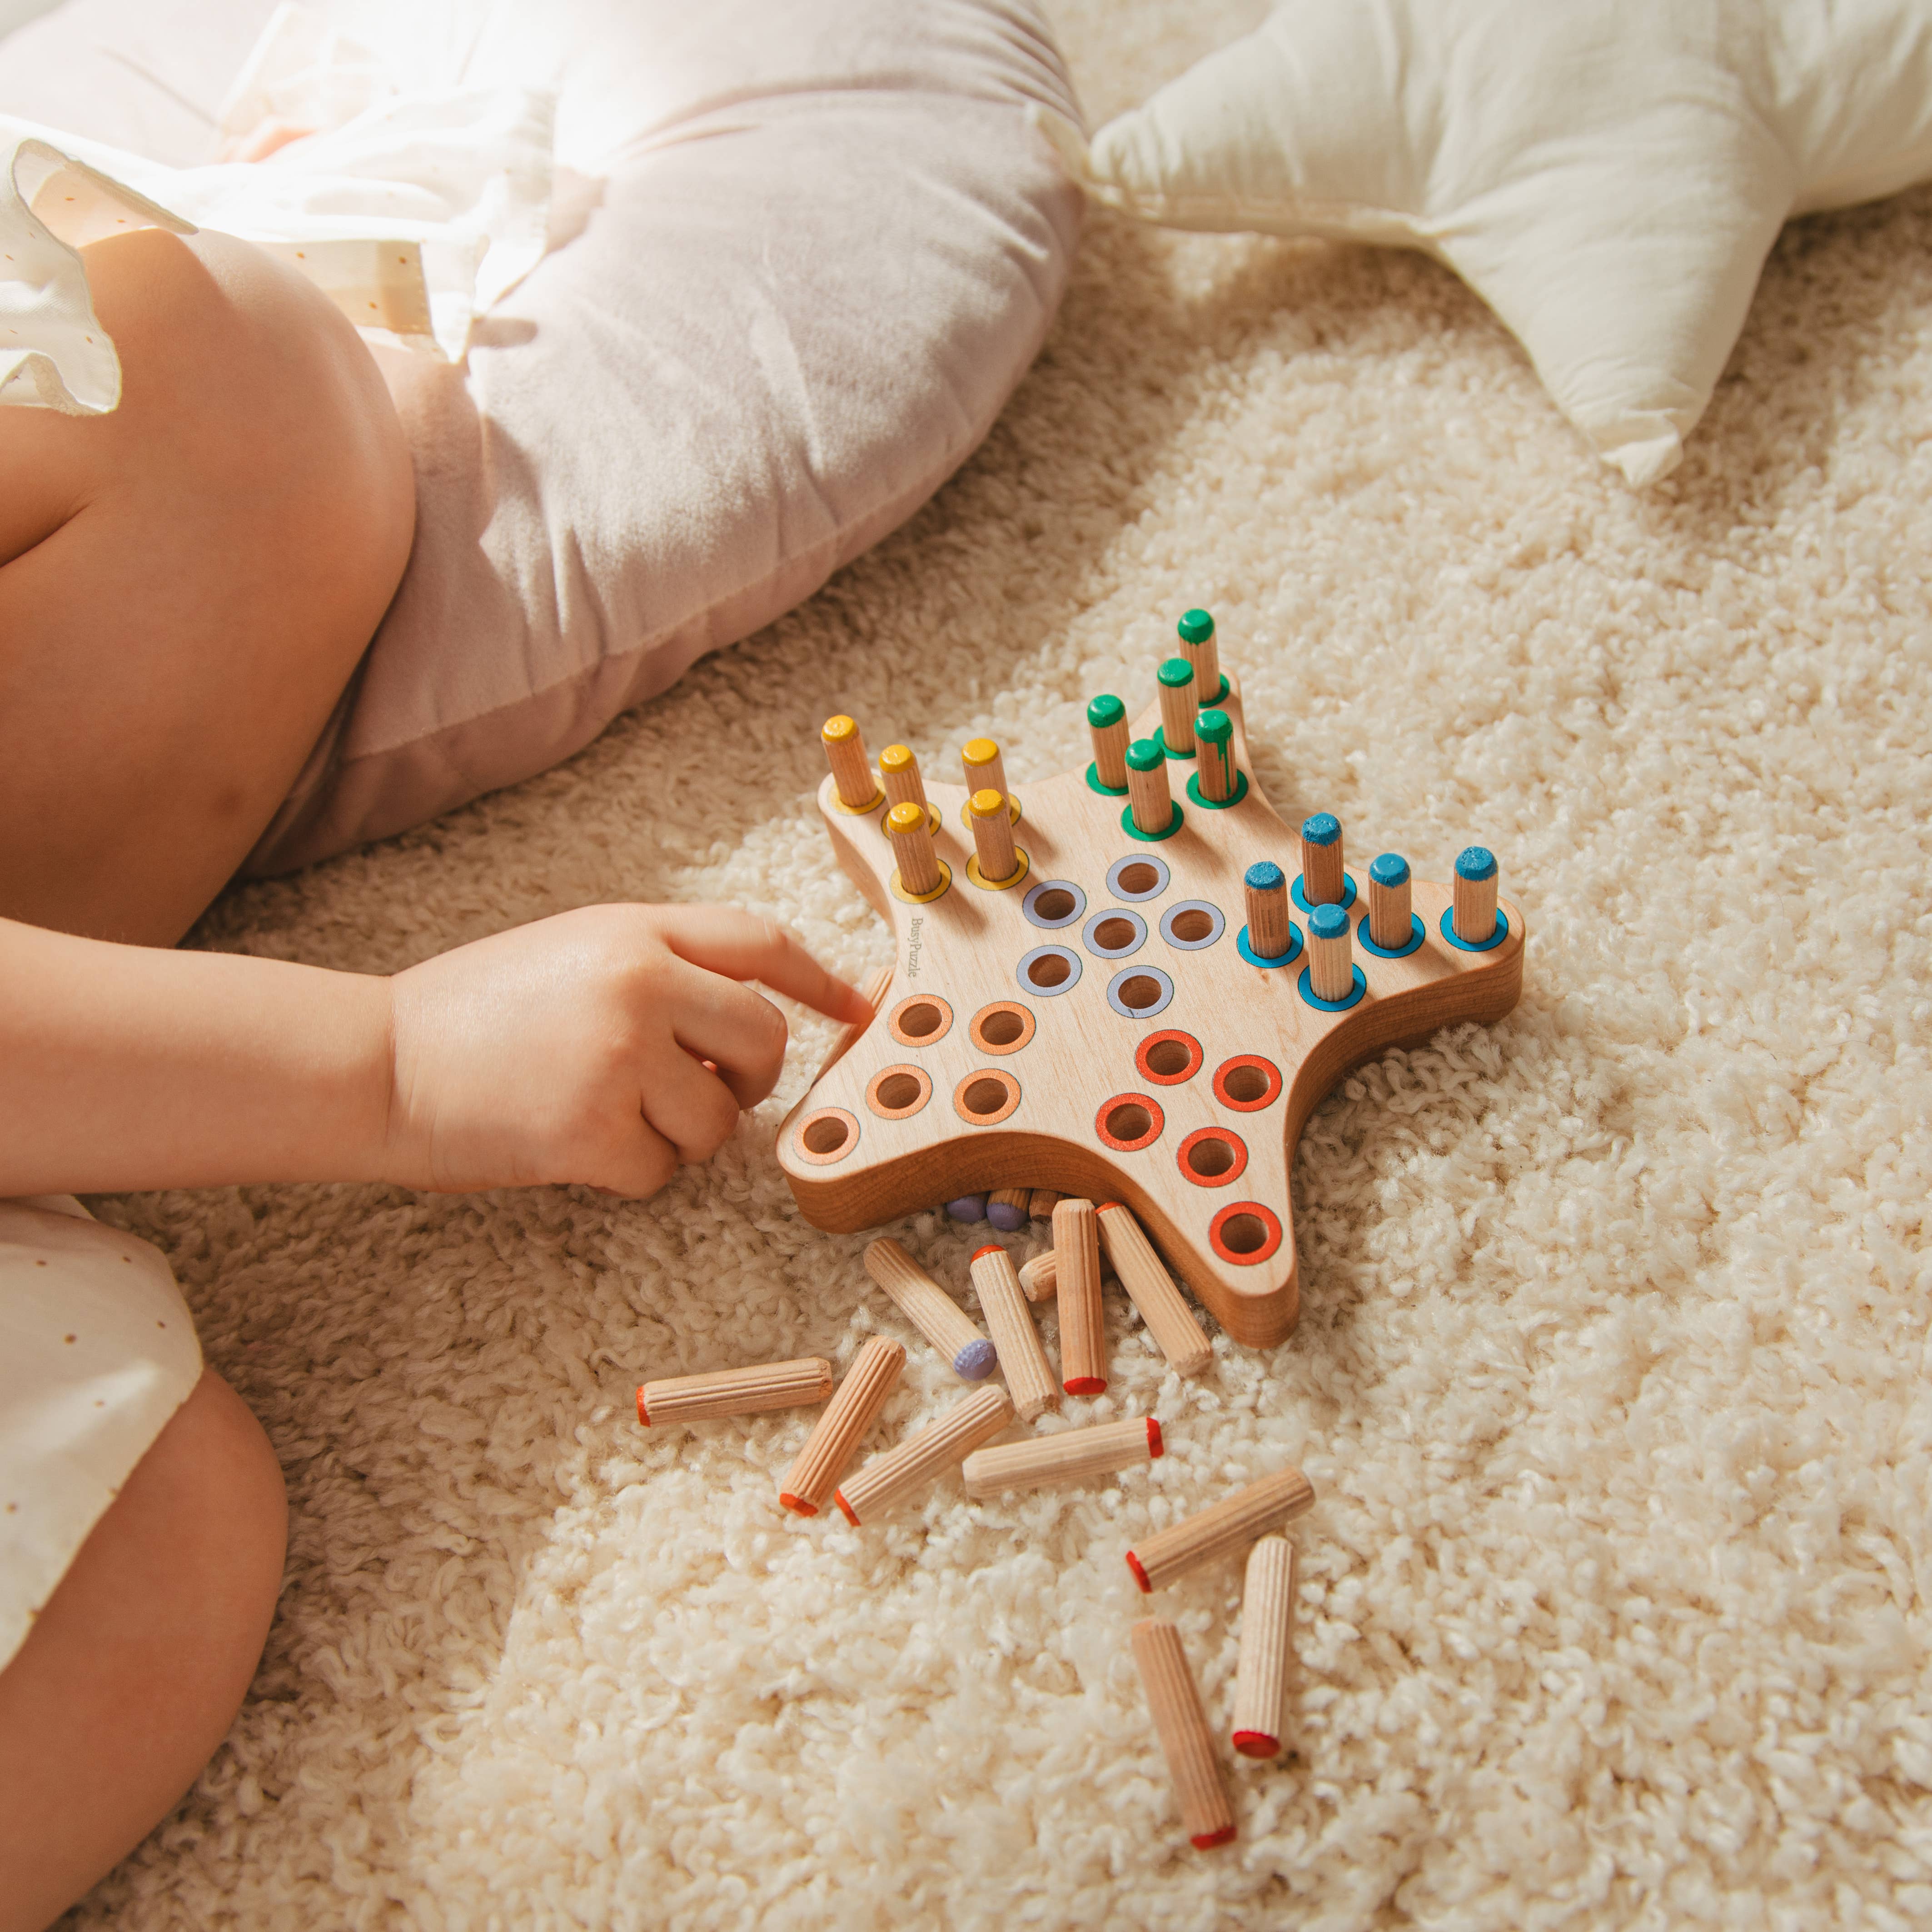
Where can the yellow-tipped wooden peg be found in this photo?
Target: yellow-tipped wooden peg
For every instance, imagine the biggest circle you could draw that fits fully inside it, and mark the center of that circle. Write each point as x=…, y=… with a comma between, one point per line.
x=1261, y=1678
x=1224, y=1530
x=1010, y=1320
x=1083, y=1323
x=851, y=775
x=920, y=874
x=940, y=1446
x=898, y=773
x=1151, y=1289
x=854, y=1407
x=986, y=770
x=734, y=1391
x=996, y=859
x=1206, y=1815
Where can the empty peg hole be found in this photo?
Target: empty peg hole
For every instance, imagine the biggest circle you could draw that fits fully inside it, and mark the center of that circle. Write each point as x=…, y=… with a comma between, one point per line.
x=828, y=1135
x=984, y=1097
x=1113, y=935
x=1169, y=1059
x=1002, y=1028
x=1243, y=1084
x=1210, y=1158
x=895, y=1090
x=1140, y=991
x=1137, y=878
x=920, y=1019
x=1056, y=903
x=1050, y=969
x=1129, y=1121
x=1244, y=1234
x=1191, y=925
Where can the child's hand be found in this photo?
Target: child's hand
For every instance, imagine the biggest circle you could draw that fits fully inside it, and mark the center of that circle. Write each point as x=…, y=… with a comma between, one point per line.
x=573, y=1049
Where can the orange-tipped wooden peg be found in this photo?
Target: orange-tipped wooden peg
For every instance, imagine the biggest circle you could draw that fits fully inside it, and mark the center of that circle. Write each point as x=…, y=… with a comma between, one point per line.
x=1151, y=1289
x=931, y=1309
x=1224, y=1530
x=1474, y=912
x=1002, y=1302
x=734, y=1391
x=1083, y=1324
x=851, y=775
x=854, y=1409
x=938, y=1447
x=1037, y=1278
x=1070, y=1456
x=1261, y=1678
x=1206, y=1815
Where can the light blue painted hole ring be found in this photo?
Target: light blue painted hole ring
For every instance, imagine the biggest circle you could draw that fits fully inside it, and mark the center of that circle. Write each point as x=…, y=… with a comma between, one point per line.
x=1305, y=988
x=1488, y=945
x=1417, y=932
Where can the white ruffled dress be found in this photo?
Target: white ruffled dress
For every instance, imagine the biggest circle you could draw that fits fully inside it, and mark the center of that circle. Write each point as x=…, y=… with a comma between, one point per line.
x=415, y=202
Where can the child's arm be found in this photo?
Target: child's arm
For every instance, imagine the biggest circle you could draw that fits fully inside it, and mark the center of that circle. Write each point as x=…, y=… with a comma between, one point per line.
x=567, y=1050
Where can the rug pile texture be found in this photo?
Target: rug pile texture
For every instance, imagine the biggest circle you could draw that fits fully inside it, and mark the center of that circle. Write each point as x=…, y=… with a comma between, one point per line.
x=1611, y=1372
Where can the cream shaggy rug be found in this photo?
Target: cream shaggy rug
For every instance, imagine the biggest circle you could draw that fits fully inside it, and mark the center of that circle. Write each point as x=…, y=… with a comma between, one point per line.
x=1612, y=1368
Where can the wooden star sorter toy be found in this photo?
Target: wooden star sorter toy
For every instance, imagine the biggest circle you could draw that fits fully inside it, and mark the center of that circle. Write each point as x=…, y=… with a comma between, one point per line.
x=1131, y=983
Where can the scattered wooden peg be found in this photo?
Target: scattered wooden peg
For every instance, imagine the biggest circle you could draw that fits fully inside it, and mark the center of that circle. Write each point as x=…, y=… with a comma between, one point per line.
x=853, y=1409
x=931, y=1309
x=845, y=753
x=1083, y=1327
x=1206, y=1815
x=1029, y=1376
x=939, y=1446
x=1037, y=1277
x=1261, y=1678
x=1228, y=1525
x=1270, y=935
x=967, y=1207
x=1043, y=1202
x=1177, y=706
x=1151, y=1289
x=1389, y=910
x=1148, y=797
x=1322, y=870
x=1331, y=966
x=1107, y=725
x=734, y=1391
x=1071, y=1455
x=1008, y=1208
x=1477, y=878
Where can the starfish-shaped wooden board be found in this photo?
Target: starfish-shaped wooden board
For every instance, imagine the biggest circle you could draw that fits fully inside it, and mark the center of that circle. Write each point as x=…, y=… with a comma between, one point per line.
x=1097, y=1026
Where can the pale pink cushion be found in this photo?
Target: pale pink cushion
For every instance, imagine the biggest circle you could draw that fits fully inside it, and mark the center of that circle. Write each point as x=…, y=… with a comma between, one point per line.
x=828, y=244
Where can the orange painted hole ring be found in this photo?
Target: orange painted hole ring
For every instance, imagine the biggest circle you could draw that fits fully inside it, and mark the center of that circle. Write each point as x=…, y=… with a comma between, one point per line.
x=898, y=1093
x=1003, y=1027
x=1247, y=1083
x=921, y=1019
x=1168, y=1057
x=1129, y=1122
x=986, y=1097
x=826, y=1134
x=1245, y=1233
x=1213, y=1157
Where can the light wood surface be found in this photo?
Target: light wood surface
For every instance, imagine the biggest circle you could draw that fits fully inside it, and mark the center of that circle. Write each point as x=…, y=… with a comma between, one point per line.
x=1151, y=1289
x=746, y=1391
x=1036, y=1277
x=854, y=1407
x=1070, y=1456
x=1076, y=1288
x=930, y=1310
x=993, y=836
x=1261, y=1678
x=1224, y=1530
x=1206, y=1814
x=938, y=1447
x=909, y=828
x=1022, y=1360
x=845, y=753
x=965, y=948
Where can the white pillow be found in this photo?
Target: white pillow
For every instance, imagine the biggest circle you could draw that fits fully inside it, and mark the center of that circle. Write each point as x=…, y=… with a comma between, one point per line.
x=1608, y=174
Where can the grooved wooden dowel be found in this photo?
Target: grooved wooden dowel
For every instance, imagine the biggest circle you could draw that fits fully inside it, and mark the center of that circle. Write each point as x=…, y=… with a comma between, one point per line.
x=1476, y=880
x=1076, y=1283
x=1331, y=968
x=931, y=1309
x=985, y=769
x=735, y=1391
x=1261, y=1678
x=845, y=753
x=1041, y=1206
x=1177, y=705
x=1198, y=639
x=1073, y=1456
x=1029, y=1376
x=854, y=1407
x=1206, y=1815
x=1230, y=1525
x=1390, y=912
x=898, y=773
x=1151, y=1289
x=1270, y=934
x=1107, y=725
x=1322, y=869
x=1151, y=802
x=1214, y=747
x=1007, y=1208
x=910, y=830
x=1037, y=1278
x=938, y=1447
x=993, y=835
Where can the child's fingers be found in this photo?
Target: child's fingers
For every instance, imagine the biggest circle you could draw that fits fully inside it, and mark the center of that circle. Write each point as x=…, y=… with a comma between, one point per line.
x=742, y=945
x=740, y=1032
x=694, y=1110
x=641, y=1164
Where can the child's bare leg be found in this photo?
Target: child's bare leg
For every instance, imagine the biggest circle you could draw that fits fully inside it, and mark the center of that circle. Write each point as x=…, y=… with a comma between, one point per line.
x=186, y=584
x=130, y=1677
